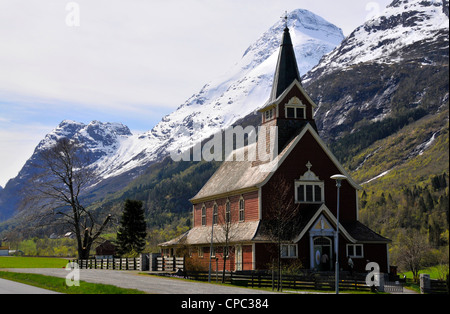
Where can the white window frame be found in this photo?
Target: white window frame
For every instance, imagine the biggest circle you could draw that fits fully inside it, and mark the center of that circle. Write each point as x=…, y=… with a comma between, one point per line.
x=354, y=246
x=203, y=215
x=292, y=250
x=241, y=209
x=200, y=251
x=228, y=211
x=215, y=214
x=295, y=107
x=313, y=184
x=269, y=114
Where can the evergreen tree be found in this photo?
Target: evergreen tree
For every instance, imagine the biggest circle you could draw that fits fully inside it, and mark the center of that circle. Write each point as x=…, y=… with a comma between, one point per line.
x=132, y=230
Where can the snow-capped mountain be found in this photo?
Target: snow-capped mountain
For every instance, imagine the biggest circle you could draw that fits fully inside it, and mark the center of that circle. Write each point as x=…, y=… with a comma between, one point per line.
x=401, y=24
x=99, y=139
x=237, y=93
x=394, y=62
x=115, y=152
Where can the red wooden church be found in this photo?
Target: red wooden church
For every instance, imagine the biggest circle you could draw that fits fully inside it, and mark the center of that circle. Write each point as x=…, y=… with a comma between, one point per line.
x=238, y=203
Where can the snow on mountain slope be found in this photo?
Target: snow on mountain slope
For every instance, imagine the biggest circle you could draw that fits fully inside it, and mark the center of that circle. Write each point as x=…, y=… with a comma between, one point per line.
x=402, y=23
x=237, y=93
x=100, y=139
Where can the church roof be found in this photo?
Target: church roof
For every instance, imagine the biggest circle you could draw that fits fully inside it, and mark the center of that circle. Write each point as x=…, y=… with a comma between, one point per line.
x=287, y=70
x=234, y=177
x=239, y=232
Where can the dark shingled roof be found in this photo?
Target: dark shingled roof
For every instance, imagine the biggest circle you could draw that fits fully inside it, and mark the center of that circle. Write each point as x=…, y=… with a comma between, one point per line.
x=287, y=69
x=361, y=233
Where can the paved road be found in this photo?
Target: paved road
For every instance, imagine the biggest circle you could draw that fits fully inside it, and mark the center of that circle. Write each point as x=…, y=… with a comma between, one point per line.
x=146, y=283
x=12, y=287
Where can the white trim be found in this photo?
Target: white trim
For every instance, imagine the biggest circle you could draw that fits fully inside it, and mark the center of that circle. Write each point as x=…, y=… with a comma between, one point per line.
x=260, y=203
x=324, y=210
x=253, y=256
x=354, y=247
x=286, y=91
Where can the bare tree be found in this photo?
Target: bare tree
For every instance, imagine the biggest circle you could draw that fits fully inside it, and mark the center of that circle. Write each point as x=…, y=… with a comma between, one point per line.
x=59, y=188
x=226, y=232
x=413, y=249
x=284, y=219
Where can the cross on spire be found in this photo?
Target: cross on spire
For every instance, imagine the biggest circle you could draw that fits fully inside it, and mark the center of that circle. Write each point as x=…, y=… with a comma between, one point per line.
x=285, y=18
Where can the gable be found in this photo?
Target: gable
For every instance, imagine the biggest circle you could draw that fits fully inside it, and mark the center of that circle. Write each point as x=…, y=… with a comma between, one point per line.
x=310, y=140
x=294, y=90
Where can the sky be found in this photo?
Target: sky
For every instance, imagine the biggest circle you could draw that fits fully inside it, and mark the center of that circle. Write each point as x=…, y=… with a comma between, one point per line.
x=128, y=61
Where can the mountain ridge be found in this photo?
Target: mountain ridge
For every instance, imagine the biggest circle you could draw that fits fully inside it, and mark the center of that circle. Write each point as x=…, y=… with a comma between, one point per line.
x=119, y=156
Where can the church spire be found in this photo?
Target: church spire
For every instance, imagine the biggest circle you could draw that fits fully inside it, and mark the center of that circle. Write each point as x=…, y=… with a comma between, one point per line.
x=287, y=70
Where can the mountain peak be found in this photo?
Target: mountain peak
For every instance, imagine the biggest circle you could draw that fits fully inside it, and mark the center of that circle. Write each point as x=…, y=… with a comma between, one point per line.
x=401, y=24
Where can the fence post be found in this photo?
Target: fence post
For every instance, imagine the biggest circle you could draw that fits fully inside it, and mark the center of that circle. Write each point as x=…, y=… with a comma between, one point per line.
x=425, y=283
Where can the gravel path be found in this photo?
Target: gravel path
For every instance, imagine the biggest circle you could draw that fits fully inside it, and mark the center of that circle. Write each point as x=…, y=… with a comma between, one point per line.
x=142, y=282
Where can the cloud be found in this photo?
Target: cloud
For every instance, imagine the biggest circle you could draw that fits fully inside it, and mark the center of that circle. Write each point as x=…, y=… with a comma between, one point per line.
x=17, y=144
x=128, y=61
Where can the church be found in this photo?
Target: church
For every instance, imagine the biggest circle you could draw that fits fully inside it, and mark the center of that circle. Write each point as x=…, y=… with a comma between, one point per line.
x=247, y=215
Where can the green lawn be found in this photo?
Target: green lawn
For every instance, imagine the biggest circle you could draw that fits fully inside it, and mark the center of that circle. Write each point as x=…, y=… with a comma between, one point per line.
x=32, y=262
x=59, y=284
x=435, y=272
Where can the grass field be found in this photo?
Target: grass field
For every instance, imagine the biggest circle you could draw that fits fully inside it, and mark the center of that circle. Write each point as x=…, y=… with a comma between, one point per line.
x=59, y=284
x=435, y=272
x=32, y=262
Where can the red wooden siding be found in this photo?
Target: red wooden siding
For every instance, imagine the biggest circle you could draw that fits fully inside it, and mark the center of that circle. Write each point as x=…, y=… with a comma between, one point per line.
x=251, y=208
x=294, y=166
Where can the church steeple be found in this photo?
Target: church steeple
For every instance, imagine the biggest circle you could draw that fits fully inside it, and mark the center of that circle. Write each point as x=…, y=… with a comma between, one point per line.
x=289, y=107
x=287, y=70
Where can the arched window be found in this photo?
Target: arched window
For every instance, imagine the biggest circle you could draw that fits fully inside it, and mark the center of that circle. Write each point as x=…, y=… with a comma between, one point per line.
x=203, y=215
x=227, y=212
x=215, y=213
x=241, y=209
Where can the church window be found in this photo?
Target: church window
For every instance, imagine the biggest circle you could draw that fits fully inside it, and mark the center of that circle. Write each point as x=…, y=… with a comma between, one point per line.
x=228, y=212
x=309, y=188
x=269, y=114
x=355, y=250
x=295, y=109
x=241, y=209
x=309, y=192
x=203, y=215
x=289, y=250
x=215, y=213
x=290, y=112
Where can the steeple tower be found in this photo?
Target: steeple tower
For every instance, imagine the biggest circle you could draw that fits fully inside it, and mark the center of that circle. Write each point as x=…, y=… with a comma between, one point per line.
x=289, y=107
x=287, y=70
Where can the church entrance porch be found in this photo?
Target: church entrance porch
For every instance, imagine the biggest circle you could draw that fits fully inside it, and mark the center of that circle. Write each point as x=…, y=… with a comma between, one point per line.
x=321, y=238
x=322, y=254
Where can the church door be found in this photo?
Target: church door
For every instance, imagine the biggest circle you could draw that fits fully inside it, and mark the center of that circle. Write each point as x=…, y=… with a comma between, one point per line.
x=322, y=253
